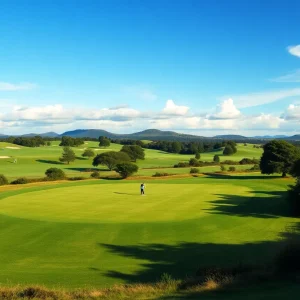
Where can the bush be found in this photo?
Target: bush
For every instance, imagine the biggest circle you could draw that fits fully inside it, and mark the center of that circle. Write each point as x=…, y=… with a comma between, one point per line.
x=231, y=169
x=230, y=162
x=76, y=178
x=217, y=158
x=248, y=161
x=255, y=168
x=3, y=180
x=193, y=162
x=223, y=168
x=21, y=180
x=55, y=174
x=194, y=171
x=182, y=165
x=160, y=174
x=126, y=169
x=95, y=174
x=197, y=155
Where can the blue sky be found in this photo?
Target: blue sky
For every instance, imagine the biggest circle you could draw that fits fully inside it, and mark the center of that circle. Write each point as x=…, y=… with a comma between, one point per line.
x=205, y=67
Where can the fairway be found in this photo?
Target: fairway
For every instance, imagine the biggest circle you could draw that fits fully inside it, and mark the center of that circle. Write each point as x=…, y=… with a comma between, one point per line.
x=117, y=203
x=98, y=233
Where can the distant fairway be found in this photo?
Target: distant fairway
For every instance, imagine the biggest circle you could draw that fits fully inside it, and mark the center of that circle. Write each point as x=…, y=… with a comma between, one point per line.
x=33, y=162
x=97, y=233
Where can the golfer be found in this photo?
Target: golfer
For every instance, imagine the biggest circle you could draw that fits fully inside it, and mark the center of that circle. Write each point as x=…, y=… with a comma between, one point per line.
x=142, y=188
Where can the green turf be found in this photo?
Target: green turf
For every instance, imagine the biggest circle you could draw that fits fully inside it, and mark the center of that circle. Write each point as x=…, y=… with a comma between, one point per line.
x=101, y=232
x=33, y=162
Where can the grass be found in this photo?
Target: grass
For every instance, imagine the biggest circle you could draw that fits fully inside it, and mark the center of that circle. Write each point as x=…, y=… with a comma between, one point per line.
x=100, y=233
x=33, y=162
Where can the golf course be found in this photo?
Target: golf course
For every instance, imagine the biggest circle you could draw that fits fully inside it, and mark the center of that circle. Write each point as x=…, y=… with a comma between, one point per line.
x=101, y=232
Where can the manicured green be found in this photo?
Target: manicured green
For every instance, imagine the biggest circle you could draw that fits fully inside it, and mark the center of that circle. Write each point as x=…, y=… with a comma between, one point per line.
x=101, y=232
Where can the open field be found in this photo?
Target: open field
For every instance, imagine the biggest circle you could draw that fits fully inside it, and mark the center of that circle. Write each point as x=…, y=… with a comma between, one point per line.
x=102, y=232
x=33, y=162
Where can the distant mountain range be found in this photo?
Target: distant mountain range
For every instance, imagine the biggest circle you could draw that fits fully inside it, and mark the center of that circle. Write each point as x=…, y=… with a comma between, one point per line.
x=153, y=134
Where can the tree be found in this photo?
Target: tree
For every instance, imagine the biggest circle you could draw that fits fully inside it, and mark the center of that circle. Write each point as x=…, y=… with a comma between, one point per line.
x=68, y=141
x=176, y=147
x=223, y=168
x=197, y=155
x=110, y=159
x=134, y=152
x=3, y=180
x=104, y=141
x=216, y=158
x=68, y=155
x=278, y=157
x=88, y=153
x=193, y=162
x=55, y=174
x=126, y=169
x=228, y=150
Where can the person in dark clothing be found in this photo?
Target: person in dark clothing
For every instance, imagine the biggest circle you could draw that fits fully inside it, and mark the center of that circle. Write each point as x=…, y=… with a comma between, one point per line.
x=142, y=189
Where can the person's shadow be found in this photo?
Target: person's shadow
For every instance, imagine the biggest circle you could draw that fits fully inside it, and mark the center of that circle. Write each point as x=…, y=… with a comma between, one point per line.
x=125, y=193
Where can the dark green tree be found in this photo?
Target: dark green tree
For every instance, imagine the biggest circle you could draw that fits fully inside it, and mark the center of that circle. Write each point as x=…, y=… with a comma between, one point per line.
x=228, y=150
x=68, y=155
x=55, y=174
x=126, y=169
x=278, y=157
x=134, y=152
x=88, y=153
x=197, y=155
x=216, y=158
x=104, y=142
x=176, y=147
x=110, y=159
x=193, y=162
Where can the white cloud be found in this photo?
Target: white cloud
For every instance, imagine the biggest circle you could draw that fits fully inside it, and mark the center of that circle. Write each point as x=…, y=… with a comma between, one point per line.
x=6, y=86
x=292, y=113
x=256, y=99
x=125, y=119
x=294, y=50
x=291, y=77
x=226, y=110
x=172, y=109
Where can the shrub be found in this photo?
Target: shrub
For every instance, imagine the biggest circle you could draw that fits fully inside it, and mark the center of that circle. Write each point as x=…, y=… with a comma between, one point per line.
x=21, y=180
x=230, y=162
x=182, y=165
x=231, y=169
x=255, y=168
x=88, y=153
x=55, y=174
x=160, y=174
x=193, y=162
x=194, y=171
x=76, y=178
x=223, y=168
x=197, y=155
x=95, y=174
x=217, y=158
x=3, y=180
x=126, y=169
x=248, y=161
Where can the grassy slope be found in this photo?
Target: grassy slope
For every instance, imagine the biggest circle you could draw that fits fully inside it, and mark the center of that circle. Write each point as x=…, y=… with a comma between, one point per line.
x=102, y=238
x=33, y=162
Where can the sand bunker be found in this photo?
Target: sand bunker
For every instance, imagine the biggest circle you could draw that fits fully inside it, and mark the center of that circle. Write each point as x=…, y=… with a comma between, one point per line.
x=13, y=147
x=4, y=157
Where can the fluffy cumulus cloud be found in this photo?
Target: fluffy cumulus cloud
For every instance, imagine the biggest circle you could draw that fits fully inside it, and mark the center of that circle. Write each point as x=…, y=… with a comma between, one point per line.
x=292, y=113
x=294, y=50
x=6, y=86
x=226, y=110
x=227, y=118
x=172, y=109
